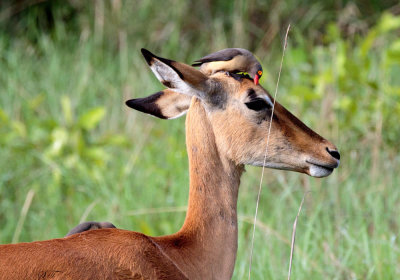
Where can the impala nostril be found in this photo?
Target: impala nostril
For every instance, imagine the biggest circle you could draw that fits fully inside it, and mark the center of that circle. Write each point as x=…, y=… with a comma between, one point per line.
x=333, y=153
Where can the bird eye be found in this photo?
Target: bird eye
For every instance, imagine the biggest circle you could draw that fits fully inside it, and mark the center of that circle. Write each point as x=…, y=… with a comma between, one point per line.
x=257, y=104
x=259, y=73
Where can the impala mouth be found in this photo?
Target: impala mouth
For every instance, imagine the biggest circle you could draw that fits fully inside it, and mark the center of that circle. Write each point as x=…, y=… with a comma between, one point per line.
x=321, y=170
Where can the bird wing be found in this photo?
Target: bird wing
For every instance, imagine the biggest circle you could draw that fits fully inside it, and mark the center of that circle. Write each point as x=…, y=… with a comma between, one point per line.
x=222, y=55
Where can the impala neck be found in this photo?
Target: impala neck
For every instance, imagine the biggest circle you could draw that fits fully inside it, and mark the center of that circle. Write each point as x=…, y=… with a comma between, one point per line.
x=211, y=219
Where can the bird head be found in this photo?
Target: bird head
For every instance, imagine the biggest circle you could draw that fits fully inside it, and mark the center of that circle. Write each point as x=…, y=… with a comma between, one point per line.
x=257, y=77
x=257, y=73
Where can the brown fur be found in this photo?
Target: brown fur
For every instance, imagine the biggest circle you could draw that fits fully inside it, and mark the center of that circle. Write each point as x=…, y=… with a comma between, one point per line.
x=222, y=135
x=96, y=254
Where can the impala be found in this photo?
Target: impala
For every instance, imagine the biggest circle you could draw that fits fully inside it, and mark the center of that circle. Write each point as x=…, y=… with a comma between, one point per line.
x=226, y=128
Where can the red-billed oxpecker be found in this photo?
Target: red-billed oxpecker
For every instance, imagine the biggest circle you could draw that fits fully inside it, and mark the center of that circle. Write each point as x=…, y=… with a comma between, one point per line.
x=233, y=60
x=89, y=226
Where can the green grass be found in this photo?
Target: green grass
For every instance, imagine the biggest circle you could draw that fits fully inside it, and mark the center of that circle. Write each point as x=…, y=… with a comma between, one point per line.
x=67, y=136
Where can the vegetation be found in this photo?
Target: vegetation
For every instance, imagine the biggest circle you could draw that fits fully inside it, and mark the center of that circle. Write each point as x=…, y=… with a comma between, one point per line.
x=70, y=150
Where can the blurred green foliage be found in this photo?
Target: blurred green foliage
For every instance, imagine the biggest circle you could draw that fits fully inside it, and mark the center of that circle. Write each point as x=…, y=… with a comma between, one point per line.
x=358, y=76
x=67, y=67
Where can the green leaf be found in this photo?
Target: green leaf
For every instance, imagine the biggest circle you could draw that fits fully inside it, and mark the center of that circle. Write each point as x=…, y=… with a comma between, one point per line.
x=344, y=103
x=367, y=43
x=3, y=117
x=388, y=23
x=115, y=140
x=59, y=138
x=393, y=52
x=19, y=128
x=66, y=109
x=37, y=101
x=90, y=119
x=96, y=155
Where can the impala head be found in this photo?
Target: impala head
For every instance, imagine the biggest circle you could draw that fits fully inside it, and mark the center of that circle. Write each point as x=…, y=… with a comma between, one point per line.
x=240, y=114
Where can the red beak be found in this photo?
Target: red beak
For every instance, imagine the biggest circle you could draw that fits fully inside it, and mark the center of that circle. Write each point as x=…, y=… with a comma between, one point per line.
x=256, y=78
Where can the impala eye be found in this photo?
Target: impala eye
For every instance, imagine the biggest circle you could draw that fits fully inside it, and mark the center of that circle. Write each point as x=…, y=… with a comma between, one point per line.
x=257, y=104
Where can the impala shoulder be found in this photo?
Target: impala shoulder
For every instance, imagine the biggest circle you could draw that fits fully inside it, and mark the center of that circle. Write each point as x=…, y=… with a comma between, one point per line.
x=157, y=260
x=146, y=258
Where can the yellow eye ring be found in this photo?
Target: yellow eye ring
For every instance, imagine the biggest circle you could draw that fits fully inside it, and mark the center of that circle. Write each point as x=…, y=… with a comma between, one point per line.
x=259, y=73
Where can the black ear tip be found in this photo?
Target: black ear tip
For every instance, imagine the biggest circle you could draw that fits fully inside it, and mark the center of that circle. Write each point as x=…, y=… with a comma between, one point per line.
x=144, y=51
x=147, y=55
x=130, y=103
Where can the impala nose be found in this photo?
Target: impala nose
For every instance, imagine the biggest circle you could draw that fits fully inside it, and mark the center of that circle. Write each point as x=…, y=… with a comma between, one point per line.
x=333, y=153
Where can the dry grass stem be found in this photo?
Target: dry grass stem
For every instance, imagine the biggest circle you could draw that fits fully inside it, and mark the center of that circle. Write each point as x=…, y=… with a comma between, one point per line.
x=24, y=212
x=87, y=211
x=266, y=152
x=294, y=237
x=270, y=231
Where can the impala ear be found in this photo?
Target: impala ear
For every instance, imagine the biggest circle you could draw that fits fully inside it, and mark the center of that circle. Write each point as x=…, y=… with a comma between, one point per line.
x=166, y=104
x=178, y=76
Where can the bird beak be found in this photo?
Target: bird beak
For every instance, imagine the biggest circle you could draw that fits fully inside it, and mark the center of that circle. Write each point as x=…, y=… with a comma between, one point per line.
x=256, y=79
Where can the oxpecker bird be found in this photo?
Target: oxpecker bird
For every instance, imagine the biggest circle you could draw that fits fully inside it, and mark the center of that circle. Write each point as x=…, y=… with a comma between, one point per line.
x=233, y=60
x=89, y=226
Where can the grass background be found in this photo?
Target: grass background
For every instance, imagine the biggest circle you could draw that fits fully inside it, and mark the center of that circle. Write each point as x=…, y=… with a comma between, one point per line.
x=70, y=150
